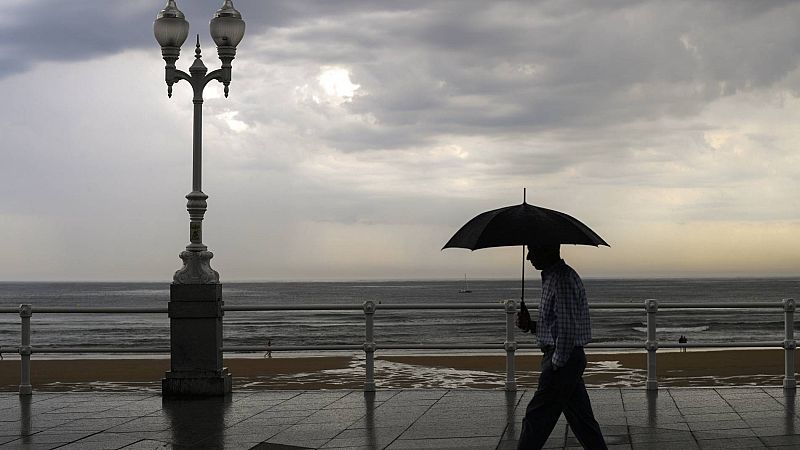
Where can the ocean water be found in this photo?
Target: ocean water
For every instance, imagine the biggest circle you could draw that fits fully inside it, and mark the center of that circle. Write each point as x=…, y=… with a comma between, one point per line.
x=399, y=326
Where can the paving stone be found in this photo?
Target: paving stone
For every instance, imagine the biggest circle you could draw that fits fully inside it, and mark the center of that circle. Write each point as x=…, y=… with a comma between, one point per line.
x=676, y=445
x=774, y=431
x=308, y=432
x=776, y=415
x=705, y=410
x=102, y=442
x=782, y=440
x=476, y=443
x=739, y=442
x=722, y=434
x=376, y=438
x=342, y=415
x=659, y=436
x=147, y=444
x=142, y=424
x=718, y=425
x=666, y=422
x=614, y=429
x=278, y=443
x=94, y=424
x=450, y=431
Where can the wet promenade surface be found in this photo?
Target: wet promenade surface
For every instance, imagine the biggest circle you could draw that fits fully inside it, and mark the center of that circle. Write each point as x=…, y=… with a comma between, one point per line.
x=675, y=418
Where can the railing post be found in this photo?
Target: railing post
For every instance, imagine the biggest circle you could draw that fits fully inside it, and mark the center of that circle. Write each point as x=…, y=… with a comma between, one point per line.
x=510, y=345
x=651, y=306
x=789, y=344
x=25, y=313
x=369, y=346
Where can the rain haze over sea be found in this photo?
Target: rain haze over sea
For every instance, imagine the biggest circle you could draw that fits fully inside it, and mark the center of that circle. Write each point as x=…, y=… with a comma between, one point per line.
x=396, y=326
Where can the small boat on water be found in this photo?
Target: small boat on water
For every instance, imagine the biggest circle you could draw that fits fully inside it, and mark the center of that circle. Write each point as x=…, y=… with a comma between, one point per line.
x=466, y=289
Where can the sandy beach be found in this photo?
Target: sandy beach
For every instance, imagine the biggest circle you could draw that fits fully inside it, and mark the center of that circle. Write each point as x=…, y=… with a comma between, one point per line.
x=693, y=368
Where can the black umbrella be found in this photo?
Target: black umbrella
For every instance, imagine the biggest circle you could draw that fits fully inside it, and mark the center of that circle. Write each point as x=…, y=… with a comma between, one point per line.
x=523, y=224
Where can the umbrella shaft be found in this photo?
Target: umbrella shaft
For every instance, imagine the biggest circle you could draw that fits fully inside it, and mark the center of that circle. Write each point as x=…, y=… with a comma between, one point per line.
x=522, y=297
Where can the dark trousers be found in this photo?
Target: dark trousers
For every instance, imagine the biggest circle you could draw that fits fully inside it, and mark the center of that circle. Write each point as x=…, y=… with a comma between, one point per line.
x=560, y=391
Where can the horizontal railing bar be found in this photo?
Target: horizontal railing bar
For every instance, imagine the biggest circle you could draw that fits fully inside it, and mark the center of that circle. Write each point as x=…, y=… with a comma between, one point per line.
x=323, y=307
x=418, y=306
x=99, y=350
x=308, y=307
x=445, y=306
x=292, y=348
x=439, y=346
x=606, y=306
x=532, y=306
x=611, y=345
x=280, y=348
x=723, y=344
x=98, y=310
x=749, y=305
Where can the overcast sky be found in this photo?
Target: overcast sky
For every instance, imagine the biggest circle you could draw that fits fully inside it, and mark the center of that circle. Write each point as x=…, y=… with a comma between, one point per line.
x=360, y=135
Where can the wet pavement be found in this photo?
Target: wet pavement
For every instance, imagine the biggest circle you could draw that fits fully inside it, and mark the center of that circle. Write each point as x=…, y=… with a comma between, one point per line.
x=674, y=418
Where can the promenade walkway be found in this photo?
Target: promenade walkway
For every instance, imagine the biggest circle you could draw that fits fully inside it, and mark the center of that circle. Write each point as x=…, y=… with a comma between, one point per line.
x=675, y=418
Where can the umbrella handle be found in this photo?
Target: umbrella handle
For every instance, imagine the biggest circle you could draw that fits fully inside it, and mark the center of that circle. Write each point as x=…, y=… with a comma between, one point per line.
x=522, y=298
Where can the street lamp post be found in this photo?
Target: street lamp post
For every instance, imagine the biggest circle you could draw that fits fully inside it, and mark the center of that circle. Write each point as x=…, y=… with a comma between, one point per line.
x=195, y=306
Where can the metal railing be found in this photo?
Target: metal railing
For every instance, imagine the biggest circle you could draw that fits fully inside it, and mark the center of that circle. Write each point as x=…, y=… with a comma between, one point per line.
x=369, y=308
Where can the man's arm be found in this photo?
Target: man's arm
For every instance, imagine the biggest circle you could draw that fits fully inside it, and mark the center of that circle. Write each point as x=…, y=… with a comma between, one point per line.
x=566, y=308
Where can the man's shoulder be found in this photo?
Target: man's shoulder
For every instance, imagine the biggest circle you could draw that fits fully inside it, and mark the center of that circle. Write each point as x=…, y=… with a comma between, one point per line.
x=565, y=272
x=562, y=268
x=570, y=270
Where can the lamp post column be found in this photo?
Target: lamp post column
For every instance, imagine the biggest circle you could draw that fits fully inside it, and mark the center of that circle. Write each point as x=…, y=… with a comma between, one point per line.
x=195, y=306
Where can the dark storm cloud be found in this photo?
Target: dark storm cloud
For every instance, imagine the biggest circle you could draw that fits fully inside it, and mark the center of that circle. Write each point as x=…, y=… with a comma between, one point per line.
x=477, y=68
x=57, y=30
x=40, y=31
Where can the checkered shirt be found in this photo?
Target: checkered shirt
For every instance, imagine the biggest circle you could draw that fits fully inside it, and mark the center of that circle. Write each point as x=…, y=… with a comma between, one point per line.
x=563, y=312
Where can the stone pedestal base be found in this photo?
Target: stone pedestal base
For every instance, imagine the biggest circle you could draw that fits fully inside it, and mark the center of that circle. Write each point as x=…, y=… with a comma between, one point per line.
x=194, y=383
x=195, y=316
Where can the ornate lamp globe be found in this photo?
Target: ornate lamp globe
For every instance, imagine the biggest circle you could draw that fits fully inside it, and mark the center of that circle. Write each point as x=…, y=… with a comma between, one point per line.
x=170, y=27
x=227, y=26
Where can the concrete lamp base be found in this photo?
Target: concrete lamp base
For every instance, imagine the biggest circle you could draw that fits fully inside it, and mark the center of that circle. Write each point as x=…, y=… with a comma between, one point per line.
x=192, y=383
x=195, y=314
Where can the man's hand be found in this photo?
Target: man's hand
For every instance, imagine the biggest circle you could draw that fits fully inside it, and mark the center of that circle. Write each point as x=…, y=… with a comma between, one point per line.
x=524, y=321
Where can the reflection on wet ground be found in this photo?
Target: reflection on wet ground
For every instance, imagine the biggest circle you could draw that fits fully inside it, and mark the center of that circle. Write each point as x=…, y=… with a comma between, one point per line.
x=397, y=375
x=685, y=418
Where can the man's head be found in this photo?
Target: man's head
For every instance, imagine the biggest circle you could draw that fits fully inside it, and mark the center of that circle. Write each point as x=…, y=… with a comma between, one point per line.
x=544, y=256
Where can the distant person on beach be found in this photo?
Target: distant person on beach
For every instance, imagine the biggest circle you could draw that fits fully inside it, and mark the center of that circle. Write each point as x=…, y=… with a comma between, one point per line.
x=683, y=340
x=563, y=329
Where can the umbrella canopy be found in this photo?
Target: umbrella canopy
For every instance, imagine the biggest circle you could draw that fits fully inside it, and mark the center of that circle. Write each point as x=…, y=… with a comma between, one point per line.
x=522, y=224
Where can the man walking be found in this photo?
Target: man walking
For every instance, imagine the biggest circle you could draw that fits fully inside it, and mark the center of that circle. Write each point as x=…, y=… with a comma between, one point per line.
x=563, y=329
